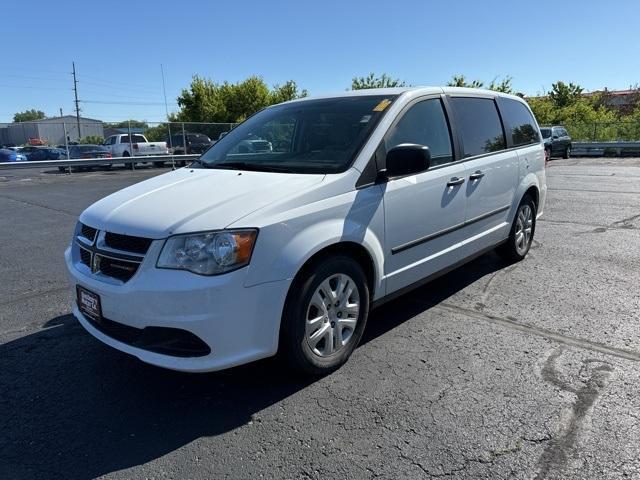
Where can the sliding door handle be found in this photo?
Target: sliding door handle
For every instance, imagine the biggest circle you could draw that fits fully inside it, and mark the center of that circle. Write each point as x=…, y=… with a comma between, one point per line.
x=455, y=181
x=477, y=175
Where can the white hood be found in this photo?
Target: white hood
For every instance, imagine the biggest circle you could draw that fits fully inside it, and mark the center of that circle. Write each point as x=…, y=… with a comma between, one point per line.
x=191, y=200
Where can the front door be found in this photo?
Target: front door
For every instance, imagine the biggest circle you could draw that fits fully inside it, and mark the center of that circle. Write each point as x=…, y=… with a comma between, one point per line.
x=424, y=213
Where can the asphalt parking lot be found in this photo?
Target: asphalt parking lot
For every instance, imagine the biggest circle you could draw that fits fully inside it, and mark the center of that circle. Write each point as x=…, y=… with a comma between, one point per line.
x=493, y=371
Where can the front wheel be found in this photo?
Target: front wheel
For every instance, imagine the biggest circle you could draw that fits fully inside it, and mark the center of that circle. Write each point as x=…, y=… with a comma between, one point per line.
x=567, y=152
x=522, y=230
x=325, y=315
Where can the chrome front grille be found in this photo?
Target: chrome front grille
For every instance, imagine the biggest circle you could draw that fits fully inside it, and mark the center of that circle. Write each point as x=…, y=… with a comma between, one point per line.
x=110, y=254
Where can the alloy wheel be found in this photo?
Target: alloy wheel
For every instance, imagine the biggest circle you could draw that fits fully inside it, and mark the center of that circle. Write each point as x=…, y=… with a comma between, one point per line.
x=524, y=228
x=332, y=315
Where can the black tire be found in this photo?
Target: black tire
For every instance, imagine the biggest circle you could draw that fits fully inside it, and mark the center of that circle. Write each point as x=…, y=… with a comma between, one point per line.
x=548, y=151
x=131, y=166
x=158, y=164
x=567, y=152
x=294, y=345
x=63, y=169
x=512, y=250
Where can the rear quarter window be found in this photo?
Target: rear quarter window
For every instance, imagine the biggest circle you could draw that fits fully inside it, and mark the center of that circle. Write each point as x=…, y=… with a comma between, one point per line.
x=134, y=139
x=521, y=125
x=479, y=125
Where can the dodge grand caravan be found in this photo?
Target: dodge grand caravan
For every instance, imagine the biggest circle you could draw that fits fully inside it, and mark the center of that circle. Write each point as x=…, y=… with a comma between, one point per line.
x=359, y=197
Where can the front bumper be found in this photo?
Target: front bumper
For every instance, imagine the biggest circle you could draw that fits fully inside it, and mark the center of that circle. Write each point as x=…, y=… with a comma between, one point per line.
x=239, y=324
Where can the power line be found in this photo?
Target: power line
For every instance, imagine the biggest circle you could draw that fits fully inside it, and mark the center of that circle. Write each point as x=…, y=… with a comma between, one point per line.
x=30, y=77
x=114, y=82
x=117, y=95
x=33, y=87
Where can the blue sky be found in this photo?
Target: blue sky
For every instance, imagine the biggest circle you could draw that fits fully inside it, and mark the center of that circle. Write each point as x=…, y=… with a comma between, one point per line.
x=118, y=47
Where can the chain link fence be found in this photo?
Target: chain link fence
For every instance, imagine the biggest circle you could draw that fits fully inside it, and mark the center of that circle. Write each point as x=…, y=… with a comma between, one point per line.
x=62, y=133
x=604, y=132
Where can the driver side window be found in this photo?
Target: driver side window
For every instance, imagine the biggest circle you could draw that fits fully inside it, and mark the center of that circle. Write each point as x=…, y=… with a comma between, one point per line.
x=424, y=124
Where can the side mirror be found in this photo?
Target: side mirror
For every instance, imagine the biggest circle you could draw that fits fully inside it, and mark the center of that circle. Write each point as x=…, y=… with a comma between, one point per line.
x=407, y=159
x=555, y=136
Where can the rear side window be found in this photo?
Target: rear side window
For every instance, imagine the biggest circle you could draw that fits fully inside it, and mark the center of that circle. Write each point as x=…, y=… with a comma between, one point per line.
x=134, y=139
x=517, y=116
x=479, y=125
x=425, y=124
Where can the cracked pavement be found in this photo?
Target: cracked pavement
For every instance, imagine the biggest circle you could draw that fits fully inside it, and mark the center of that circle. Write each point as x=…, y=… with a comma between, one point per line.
x=525, y=371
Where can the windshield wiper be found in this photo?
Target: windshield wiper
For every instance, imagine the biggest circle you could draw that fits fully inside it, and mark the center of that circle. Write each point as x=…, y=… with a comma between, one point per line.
x=249, y=166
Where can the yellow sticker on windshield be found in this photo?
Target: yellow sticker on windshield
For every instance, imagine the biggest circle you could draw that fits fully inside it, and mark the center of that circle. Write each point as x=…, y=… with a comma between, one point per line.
x=382, y=105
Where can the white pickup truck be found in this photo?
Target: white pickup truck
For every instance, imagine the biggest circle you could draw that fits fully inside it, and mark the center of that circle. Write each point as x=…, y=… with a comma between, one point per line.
x=138, y=146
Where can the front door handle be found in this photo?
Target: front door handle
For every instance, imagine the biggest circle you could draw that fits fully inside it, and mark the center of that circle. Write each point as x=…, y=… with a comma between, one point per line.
x=477, y=175
x=455, y=181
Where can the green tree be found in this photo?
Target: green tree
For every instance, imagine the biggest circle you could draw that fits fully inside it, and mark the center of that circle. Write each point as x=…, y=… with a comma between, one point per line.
x=207, y=101
x=158, y=133
x=244, y=98
x=503, y=85
x=126, y=123
x=371, y=81
x=287, y=91
x=91, y=140
x=562, y=94
x=29, y=115
x=461, y=81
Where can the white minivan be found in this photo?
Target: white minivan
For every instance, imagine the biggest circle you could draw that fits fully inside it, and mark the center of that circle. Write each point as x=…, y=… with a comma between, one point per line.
x=354, y=199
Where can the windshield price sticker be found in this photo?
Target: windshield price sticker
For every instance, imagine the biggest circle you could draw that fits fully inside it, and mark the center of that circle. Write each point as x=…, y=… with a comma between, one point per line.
x=382, y=105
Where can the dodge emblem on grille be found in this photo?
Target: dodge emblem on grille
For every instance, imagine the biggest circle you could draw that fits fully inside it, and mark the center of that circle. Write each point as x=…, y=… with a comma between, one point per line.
x=95, y=263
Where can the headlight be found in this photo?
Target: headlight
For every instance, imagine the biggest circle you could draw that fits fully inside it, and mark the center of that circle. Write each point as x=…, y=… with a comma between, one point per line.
x=208, y=253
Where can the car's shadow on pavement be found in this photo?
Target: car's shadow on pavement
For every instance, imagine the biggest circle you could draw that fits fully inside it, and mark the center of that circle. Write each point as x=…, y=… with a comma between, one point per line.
x=71, y=407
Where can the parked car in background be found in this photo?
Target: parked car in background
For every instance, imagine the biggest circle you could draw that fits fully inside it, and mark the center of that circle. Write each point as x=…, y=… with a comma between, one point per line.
x=557, y=142
x=197, y=143
x=34, y=153
x=88, y=151
x=9, y=155
x=284, y=245
x=136, y=146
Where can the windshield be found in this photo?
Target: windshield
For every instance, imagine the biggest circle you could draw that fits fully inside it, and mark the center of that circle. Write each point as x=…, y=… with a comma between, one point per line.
x=311, y=136
x=546, y=132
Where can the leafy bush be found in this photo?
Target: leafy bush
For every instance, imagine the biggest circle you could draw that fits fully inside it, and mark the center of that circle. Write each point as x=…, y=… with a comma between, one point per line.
x=91, y=139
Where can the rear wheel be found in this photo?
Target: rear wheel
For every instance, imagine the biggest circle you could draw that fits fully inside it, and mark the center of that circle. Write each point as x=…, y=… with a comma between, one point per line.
x=131, y=165
x=522, y=230
x=325, y=315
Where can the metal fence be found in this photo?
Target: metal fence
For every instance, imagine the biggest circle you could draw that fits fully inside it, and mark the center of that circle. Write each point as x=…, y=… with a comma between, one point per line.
x=604, y=131
x=68, y=132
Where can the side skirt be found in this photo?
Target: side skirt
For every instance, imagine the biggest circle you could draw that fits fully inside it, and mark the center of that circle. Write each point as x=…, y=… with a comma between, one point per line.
x=433, y=276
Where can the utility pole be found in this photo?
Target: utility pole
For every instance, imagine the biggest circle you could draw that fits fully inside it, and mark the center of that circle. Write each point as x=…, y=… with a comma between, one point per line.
x=75, y=91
